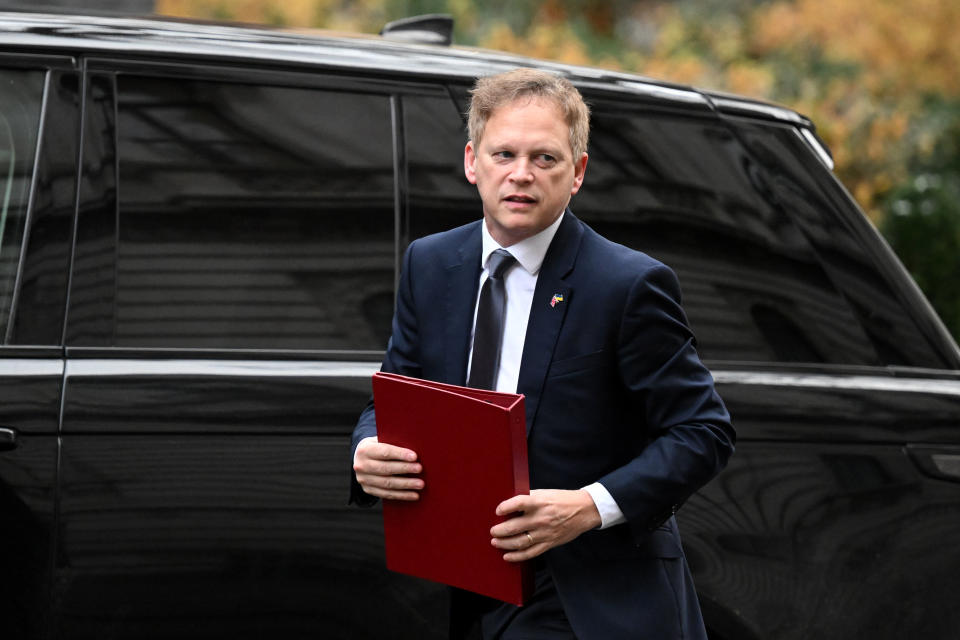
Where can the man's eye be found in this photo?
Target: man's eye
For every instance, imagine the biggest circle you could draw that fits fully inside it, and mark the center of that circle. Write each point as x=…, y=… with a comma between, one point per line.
x=503, y=155
x=545, y=160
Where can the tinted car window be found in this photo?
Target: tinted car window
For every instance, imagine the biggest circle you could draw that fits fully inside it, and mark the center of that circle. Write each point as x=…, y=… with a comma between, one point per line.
x=21, y=93
x=439, y=195
x=888, y=324
x=253, y=216
x=683, y=190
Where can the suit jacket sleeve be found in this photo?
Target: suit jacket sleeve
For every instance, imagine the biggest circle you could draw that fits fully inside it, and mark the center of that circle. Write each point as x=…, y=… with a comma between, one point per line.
x=688, y=431
x=402, y=356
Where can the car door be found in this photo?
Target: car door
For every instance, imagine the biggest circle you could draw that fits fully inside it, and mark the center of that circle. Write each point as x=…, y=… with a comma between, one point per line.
x=39, y=131
x=232, y=293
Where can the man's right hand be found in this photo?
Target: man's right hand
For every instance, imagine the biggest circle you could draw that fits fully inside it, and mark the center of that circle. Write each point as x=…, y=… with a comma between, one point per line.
x=383, y=470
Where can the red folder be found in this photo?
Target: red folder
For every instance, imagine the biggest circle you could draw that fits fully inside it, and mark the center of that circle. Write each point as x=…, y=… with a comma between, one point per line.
x=473, y=448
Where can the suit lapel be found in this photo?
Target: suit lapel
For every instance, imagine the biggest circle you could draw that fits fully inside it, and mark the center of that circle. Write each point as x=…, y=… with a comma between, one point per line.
x=463, y=277
x=551, y=299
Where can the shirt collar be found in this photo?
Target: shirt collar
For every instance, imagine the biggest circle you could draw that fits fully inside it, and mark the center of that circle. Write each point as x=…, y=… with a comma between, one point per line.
x=529, y=252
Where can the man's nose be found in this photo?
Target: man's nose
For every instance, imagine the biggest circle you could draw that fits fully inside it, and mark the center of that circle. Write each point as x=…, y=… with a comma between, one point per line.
x=522, y=170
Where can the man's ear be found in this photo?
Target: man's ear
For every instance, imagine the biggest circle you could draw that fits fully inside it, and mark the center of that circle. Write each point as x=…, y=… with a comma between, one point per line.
x=579, y=169
x=470, y=163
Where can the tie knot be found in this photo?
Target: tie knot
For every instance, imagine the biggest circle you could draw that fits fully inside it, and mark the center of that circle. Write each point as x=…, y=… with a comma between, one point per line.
x=498, y=262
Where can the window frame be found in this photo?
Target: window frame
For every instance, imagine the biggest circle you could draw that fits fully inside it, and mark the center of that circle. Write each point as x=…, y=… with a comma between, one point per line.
x=47, y=64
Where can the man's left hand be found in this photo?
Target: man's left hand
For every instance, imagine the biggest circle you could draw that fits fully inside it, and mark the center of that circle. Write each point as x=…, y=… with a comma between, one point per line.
x=548, y=518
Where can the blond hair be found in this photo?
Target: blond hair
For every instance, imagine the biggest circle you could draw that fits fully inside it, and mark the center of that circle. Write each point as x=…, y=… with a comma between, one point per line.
x=492, y=92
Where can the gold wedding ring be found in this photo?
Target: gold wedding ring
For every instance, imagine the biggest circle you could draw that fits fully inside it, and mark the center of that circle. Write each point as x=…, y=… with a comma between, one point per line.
x=529, y=537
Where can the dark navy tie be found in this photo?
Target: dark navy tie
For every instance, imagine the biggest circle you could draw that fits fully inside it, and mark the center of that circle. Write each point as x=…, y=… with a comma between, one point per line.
x=491, y=311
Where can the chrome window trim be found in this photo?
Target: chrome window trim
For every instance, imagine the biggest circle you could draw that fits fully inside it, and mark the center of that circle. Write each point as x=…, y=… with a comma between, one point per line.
x=31, y=367
x=85, y=367
x=732, y=103
x=817, y=147
x=666, y=93
x=851, y=382
x=209, y=367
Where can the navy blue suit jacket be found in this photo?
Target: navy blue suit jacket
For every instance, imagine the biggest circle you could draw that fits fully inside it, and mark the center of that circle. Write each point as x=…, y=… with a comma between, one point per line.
x=615, y=393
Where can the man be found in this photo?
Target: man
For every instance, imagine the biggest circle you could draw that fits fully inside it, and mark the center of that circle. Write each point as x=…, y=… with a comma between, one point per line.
x=623, y=422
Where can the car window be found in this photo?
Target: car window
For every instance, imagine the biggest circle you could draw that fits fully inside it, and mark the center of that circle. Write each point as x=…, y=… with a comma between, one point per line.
x=796, y=181
x=682, y=189
x=252, y=216
x=21, y=94
x=439, y=196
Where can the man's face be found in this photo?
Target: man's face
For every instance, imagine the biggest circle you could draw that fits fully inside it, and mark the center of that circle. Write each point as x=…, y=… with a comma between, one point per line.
x=524, y=169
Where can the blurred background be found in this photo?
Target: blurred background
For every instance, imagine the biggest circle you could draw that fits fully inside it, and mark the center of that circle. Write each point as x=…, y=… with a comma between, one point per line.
x=878, y=77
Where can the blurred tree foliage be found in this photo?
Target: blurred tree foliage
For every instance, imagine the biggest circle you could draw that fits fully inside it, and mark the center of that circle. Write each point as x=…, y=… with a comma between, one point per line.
x=879, y=77
x=922, y=224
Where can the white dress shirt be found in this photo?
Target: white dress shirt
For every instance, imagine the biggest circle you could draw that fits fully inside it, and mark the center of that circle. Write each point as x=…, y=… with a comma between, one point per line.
x=520, y=281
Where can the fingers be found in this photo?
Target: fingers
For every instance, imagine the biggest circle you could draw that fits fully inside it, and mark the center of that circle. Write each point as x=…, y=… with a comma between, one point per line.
x=391, y=488
x=516, y=504
x=515, y=526
x=520, y=547
x=383, y=470
x=547, y=518
x=527, y=512
x=514, y=536
x=380, y=467
x=378, y=458
x=373, y=449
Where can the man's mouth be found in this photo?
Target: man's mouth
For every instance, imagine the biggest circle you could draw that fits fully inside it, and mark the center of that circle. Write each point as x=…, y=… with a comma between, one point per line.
x=520, y=198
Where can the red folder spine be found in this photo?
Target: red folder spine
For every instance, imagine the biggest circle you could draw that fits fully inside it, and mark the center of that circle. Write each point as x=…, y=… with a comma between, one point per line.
x=521, y=483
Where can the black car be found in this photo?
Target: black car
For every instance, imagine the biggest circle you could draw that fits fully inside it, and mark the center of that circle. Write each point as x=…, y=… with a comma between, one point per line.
x=200, y=235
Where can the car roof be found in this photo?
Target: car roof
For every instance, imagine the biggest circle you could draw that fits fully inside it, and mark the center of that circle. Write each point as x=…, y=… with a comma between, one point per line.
x=169, y=38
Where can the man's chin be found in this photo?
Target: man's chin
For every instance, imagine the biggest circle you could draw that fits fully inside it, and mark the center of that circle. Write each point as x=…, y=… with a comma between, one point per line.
x=515, y=233
x=512, y=227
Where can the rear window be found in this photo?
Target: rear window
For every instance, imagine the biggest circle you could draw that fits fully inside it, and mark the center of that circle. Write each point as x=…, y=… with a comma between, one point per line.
x=21, y=94
x=682, y=189
x=794, y=177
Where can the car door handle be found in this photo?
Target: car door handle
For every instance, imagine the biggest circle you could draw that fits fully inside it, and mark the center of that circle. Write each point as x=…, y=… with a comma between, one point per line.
x=936, y=462
x=8, y=439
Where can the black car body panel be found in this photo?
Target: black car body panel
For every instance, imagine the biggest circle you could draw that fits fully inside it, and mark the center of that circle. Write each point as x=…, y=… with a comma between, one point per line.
x=197, y=270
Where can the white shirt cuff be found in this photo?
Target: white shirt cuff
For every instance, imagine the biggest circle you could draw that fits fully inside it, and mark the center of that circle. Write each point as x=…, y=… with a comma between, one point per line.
x=610, y=513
